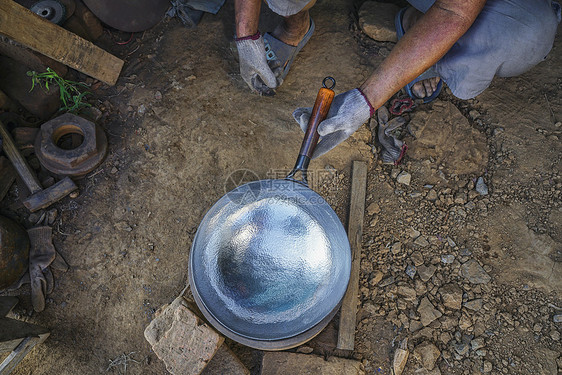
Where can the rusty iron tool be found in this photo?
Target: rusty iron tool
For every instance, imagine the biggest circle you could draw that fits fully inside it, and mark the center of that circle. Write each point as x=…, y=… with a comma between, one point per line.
x=39, y=197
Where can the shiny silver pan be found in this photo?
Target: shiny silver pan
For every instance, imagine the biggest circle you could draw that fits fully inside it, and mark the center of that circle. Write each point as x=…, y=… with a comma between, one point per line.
x=270, y=261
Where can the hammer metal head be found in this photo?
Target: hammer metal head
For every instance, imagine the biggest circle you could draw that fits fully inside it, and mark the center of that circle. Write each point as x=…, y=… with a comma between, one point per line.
x=50, y=195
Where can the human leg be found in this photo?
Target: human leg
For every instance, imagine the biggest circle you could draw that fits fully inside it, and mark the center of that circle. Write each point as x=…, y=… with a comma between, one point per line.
x=508, y=38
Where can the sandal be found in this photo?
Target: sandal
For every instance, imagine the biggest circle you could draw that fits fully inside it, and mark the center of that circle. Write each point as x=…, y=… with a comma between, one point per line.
x=280, y=54
x=430, y=73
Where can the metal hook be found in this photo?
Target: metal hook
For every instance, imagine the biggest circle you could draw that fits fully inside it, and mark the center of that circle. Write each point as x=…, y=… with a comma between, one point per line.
x=329, y=79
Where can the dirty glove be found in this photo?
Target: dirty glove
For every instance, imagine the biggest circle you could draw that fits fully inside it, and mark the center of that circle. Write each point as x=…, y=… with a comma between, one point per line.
x=41, y=255
x=348, y=112
x=253, y=65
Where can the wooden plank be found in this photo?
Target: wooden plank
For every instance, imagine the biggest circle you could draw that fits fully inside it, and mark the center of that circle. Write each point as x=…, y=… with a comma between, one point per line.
x=348, y=313
x=15, y=357
x=12, y=331
x=7, y=176
x=35, y=32
x=18, y=162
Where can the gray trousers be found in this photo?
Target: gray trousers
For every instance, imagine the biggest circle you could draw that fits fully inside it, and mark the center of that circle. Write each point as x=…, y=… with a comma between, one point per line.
x=508, y=38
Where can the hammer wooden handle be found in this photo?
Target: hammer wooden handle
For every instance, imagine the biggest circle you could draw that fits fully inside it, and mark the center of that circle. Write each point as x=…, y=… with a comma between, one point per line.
x=18, y=161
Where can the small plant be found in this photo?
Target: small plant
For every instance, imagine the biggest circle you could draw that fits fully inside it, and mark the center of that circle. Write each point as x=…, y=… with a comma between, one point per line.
x=70, y=96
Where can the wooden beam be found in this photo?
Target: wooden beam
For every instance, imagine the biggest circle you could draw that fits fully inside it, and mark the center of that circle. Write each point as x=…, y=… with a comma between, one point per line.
x=348, y=313
x=35, y=32
x=7, y=176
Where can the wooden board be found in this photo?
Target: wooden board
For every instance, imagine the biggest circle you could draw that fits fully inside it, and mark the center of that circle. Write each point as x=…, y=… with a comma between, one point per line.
x=7, y=176
x=35, y=32
x=348, y=314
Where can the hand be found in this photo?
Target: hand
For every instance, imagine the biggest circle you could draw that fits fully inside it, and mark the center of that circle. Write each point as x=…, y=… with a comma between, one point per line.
x=254, y=67
x=348, y=112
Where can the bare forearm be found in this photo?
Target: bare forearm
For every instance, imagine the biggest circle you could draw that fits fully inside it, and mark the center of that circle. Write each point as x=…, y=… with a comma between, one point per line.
x=247, y=14
x=423, y=45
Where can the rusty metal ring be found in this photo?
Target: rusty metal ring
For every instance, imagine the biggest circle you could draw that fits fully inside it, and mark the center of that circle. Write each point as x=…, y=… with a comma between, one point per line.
x=80, y=159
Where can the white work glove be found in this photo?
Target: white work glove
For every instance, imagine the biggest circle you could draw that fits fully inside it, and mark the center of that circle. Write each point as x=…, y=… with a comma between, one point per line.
x=348, y=112
x=254, y=67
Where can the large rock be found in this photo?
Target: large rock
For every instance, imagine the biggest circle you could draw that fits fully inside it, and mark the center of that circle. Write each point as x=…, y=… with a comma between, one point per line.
x=452, y=296
x=181, y=340
x=474, y=272
x=427, y=354
x=225, y=362
x=445, y=135
x=428, y=313
x=377, y=20
x=282, y=363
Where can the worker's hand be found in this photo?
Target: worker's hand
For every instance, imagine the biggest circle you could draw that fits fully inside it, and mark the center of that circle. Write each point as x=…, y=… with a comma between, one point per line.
x=348, y=112
x=254, y=67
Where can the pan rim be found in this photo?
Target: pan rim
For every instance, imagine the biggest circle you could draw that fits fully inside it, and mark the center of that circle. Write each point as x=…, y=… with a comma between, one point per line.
x=254, y=336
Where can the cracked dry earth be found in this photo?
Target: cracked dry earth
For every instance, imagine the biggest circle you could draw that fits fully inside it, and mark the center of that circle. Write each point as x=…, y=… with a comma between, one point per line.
x=462, y=243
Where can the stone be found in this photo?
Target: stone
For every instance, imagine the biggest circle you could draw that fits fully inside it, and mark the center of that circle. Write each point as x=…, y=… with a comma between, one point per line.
x=417, y=258
x=396, y=248
x=427, y=354
x=373, y=208
x=487, y=367
x=557, y=318
x=377, y=20
x=413, y=233
x=421, y=241
x=400, y=357
x=411, y=271
x=452, y=296
x=281, y=363
x=428, y=313
x=461, y=348
x=447, y=259
x=181, y=340
x=474, y=305
x=465, y=322
x=408, y=293
x=404, y=178
x=481, y=187
x=415, y=325
x=474, y=273
x=225, y=362
x=445, y=337
x=449, y=323
x=477, y=343
x=432, y=195
x=425, y=272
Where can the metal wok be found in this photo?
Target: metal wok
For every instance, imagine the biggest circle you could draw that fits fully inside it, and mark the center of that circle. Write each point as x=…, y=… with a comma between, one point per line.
x=270, y=261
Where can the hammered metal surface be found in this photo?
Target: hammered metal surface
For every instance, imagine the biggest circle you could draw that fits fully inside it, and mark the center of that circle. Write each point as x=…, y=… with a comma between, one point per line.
x=270, y=260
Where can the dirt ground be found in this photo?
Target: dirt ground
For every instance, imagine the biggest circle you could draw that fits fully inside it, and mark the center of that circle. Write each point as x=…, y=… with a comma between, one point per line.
x=180, y=120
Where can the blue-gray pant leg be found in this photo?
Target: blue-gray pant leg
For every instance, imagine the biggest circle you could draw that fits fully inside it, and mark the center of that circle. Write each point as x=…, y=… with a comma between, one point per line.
x=287, y=8
x=508, y=38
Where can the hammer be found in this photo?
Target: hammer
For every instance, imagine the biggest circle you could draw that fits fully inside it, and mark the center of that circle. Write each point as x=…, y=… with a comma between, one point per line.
x=39, y=197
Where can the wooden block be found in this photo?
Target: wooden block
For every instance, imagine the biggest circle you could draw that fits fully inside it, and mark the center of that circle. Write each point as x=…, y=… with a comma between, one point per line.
x=31, y=59
x=7, y=176
x=46, y=197
x=181, y=340
x=225, y=362
x=348, y=314
x=35, y=32
x=282, y=363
